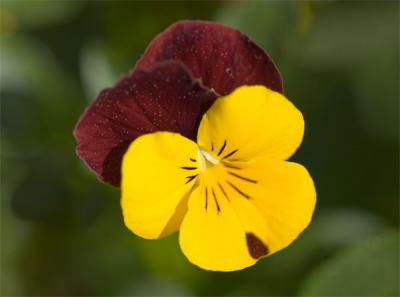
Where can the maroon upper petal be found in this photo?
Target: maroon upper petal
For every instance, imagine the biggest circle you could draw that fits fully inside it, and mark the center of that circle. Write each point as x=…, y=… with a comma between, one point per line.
x=222, y=57
x=173, y=84
x=164, y=97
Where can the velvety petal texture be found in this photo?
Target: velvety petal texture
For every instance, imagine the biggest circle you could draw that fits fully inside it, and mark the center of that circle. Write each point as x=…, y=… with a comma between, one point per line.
x=222, y=57
x=164, y=98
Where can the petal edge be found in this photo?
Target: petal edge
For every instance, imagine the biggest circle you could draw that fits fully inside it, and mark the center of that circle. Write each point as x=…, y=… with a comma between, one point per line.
x=221, y=56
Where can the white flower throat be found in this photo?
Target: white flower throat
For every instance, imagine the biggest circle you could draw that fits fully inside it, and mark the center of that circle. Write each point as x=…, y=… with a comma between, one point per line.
x=206, y=159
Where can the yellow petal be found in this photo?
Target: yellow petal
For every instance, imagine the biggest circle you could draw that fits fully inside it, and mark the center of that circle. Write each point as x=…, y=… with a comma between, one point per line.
x=158, y=172
x=282, y=191
x=222, y=230
x=251, y=121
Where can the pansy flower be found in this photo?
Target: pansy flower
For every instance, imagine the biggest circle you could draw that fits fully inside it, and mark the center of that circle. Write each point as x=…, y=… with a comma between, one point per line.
x=201, y=133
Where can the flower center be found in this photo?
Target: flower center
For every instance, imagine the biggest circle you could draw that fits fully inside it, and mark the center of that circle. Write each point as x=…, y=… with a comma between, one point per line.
x=206, y=160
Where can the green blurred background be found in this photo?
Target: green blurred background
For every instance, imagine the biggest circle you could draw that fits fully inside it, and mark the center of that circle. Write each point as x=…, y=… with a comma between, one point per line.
x=61, y=230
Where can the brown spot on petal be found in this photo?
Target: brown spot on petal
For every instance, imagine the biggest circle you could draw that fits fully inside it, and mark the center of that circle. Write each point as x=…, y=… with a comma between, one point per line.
x=255, y=246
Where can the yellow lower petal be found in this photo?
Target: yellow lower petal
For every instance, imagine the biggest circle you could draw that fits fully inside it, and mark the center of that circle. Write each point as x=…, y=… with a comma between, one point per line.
x=158, y=172
x=244, y=211
x=220, y=233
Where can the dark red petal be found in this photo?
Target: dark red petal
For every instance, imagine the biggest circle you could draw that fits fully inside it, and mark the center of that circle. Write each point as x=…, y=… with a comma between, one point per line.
x=165, y=97
x=222, y=57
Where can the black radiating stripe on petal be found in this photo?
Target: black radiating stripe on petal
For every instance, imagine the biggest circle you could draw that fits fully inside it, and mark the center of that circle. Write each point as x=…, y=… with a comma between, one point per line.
x=242, y=177
x=238, y=190
x=193, y=160
x=216, y=201
x=223, y=191
x=230, y=154
x=212, y=146
x=232, y=166
x=188, y=168
x=222, y=148
x=190, y=178
x=206, y=198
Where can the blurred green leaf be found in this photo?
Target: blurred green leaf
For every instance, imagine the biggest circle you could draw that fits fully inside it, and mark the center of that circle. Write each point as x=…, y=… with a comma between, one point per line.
x=271, y=24
x=368, y=268
x=96, y=70
x=40, y=197
x=346, y=34
x=153, y=254
x=28, y=66
x=360, y=46
x=13, y=232
x=41, y=13
x=329, y=230
x=40, y=99
x=156, y=286
x=377, y=94
x=338, y=227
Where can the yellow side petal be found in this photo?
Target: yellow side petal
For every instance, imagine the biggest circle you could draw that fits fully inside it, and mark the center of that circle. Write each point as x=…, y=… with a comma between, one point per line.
x=282, y=191
x=222, y=231
x=251, y=121
x=158, y=172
